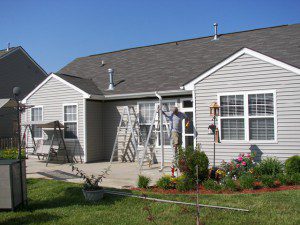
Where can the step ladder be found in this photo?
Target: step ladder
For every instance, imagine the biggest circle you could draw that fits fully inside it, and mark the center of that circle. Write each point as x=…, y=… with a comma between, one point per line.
x=128, y=136
x=25, y=140
x=148, y=149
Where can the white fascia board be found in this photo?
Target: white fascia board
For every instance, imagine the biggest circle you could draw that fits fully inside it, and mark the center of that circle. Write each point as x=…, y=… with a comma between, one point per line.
x=190, y=85
x=141, y=95
x=85, y=95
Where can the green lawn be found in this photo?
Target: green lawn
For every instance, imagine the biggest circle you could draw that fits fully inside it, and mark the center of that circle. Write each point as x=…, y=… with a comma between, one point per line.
x=56, y=202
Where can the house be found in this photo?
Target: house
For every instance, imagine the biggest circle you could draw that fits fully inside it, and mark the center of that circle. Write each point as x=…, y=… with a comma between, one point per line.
x=17, y=68
x=253, y=75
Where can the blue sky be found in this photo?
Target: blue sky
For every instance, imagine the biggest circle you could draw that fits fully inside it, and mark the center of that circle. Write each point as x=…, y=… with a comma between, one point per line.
x=54, y=32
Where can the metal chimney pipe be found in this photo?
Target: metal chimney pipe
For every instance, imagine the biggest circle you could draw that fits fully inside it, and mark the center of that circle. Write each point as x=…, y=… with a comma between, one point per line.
x=216, y=31
x=111, y=86
x=8, y=47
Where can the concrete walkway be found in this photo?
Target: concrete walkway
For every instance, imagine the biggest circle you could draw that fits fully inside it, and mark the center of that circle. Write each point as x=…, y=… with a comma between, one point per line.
x=122, y=175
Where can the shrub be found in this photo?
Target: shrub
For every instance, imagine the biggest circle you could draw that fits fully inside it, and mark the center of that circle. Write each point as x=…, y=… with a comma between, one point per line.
x=230, y=184
x=143, y=181
x=165, y=182
x=246, y=181
x=188, y=159
x=210, y=184
x=11, y=154
x=282, y=178
x=292, y=165
x=293, y=179
x=238, y=166
x=269, y=166
x=184, y=183
x=268, y=181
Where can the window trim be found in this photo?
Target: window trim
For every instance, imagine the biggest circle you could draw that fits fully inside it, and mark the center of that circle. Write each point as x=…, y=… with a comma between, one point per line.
x=246, y=117
x=37, y=122
x=157, y=145
x=63, y=119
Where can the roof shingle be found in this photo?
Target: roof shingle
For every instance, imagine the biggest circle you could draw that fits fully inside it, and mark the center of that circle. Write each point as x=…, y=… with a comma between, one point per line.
x=168, y=66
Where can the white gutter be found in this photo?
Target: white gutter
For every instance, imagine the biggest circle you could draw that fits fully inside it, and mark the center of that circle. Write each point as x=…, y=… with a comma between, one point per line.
x=161, y=131
x=140, y=95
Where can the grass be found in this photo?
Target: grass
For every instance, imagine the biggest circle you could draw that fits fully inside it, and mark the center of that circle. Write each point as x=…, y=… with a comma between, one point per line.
x=58, y=202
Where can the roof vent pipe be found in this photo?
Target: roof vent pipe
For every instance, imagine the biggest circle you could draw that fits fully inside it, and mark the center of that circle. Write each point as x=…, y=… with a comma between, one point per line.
x=216, y=31
x=111, y=86
x=8, y=47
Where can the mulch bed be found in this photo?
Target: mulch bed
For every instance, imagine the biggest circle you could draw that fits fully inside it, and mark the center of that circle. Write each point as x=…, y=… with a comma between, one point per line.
x=155, y=189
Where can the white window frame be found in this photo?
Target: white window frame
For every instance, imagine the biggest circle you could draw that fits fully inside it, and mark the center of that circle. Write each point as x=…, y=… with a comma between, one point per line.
x=156, y=105
x=246, y=116
x=184, y=110
x=37, y=122
x=75, y=121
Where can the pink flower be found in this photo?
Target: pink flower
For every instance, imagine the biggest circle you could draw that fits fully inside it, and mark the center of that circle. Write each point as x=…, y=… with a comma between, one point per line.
x=244, y=163
x=248, y=155
x=237, y=165
x=240, y=159
x=243, y=154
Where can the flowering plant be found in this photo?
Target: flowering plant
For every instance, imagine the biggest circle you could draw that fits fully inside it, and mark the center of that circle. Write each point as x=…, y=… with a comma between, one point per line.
x=239, y=166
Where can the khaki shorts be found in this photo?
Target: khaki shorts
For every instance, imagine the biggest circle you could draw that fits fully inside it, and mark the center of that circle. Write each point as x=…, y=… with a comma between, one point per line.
x=176, y=138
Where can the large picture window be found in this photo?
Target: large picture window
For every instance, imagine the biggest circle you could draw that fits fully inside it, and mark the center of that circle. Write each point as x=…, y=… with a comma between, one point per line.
x=36, y=118
x=247, y=116
x=70, y=121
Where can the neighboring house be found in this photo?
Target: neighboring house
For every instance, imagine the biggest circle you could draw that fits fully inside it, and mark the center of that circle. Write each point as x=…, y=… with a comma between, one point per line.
x=17, y=68
x=254, y=75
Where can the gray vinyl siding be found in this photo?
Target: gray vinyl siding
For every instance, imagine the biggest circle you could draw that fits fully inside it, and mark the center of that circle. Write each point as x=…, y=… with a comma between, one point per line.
x=52, y=96
x=112, y=112
x=94, y=129
x=251, y=74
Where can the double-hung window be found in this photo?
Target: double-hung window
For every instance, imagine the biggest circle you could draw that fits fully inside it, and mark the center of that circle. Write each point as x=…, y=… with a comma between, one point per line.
x=36, y=118
x=248, y=116
x=70, y=121
x=146, y=113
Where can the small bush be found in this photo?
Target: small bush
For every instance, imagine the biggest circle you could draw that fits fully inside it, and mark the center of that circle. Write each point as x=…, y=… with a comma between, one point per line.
x=292, y=165
x=183, y=183
x=188, y=159
x=246, y=181
x=269, y=166
x=230, y=184
x=210, y=184
x=293, y=179
x=282, y=178
x=268, y=181
x=11, y=154
x=165, y=182
x=143, y=181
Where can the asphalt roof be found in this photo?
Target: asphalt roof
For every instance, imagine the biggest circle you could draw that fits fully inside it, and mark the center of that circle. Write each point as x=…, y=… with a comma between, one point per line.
x=4, y=51
x=168, y=66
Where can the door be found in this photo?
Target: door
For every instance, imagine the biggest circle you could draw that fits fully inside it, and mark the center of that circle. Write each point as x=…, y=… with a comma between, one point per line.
x=187, y=132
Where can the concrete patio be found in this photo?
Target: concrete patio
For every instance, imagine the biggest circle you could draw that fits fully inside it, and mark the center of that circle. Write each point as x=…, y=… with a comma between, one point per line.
x=121, y=175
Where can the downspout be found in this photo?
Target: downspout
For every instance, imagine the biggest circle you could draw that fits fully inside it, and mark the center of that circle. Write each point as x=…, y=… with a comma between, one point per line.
x=162, y=142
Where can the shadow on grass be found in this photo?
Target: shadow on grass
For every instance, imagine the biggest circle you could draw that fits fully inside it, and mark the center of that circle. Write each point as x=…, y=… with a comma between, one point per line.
x=30, y=218
x=70, y=196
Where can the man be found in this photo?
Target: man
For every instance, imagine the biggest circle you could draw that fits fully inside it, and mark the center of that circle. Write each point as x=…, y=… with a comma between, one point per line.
x=175, y=117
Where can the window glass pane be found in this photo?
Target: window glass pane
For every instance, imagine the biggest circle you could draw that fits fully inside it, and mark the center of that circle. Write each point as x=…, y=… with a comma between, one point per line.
x=261, y=104
x=189, y=141
x=144, y=129
x=261, y=128
x=70, y=130
x=232, y=105
x=187, y=104
x=70, y=113
x=146, y=111
x=190, y=128
x=37, y=131
x=232, y=129
x=37, y=114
